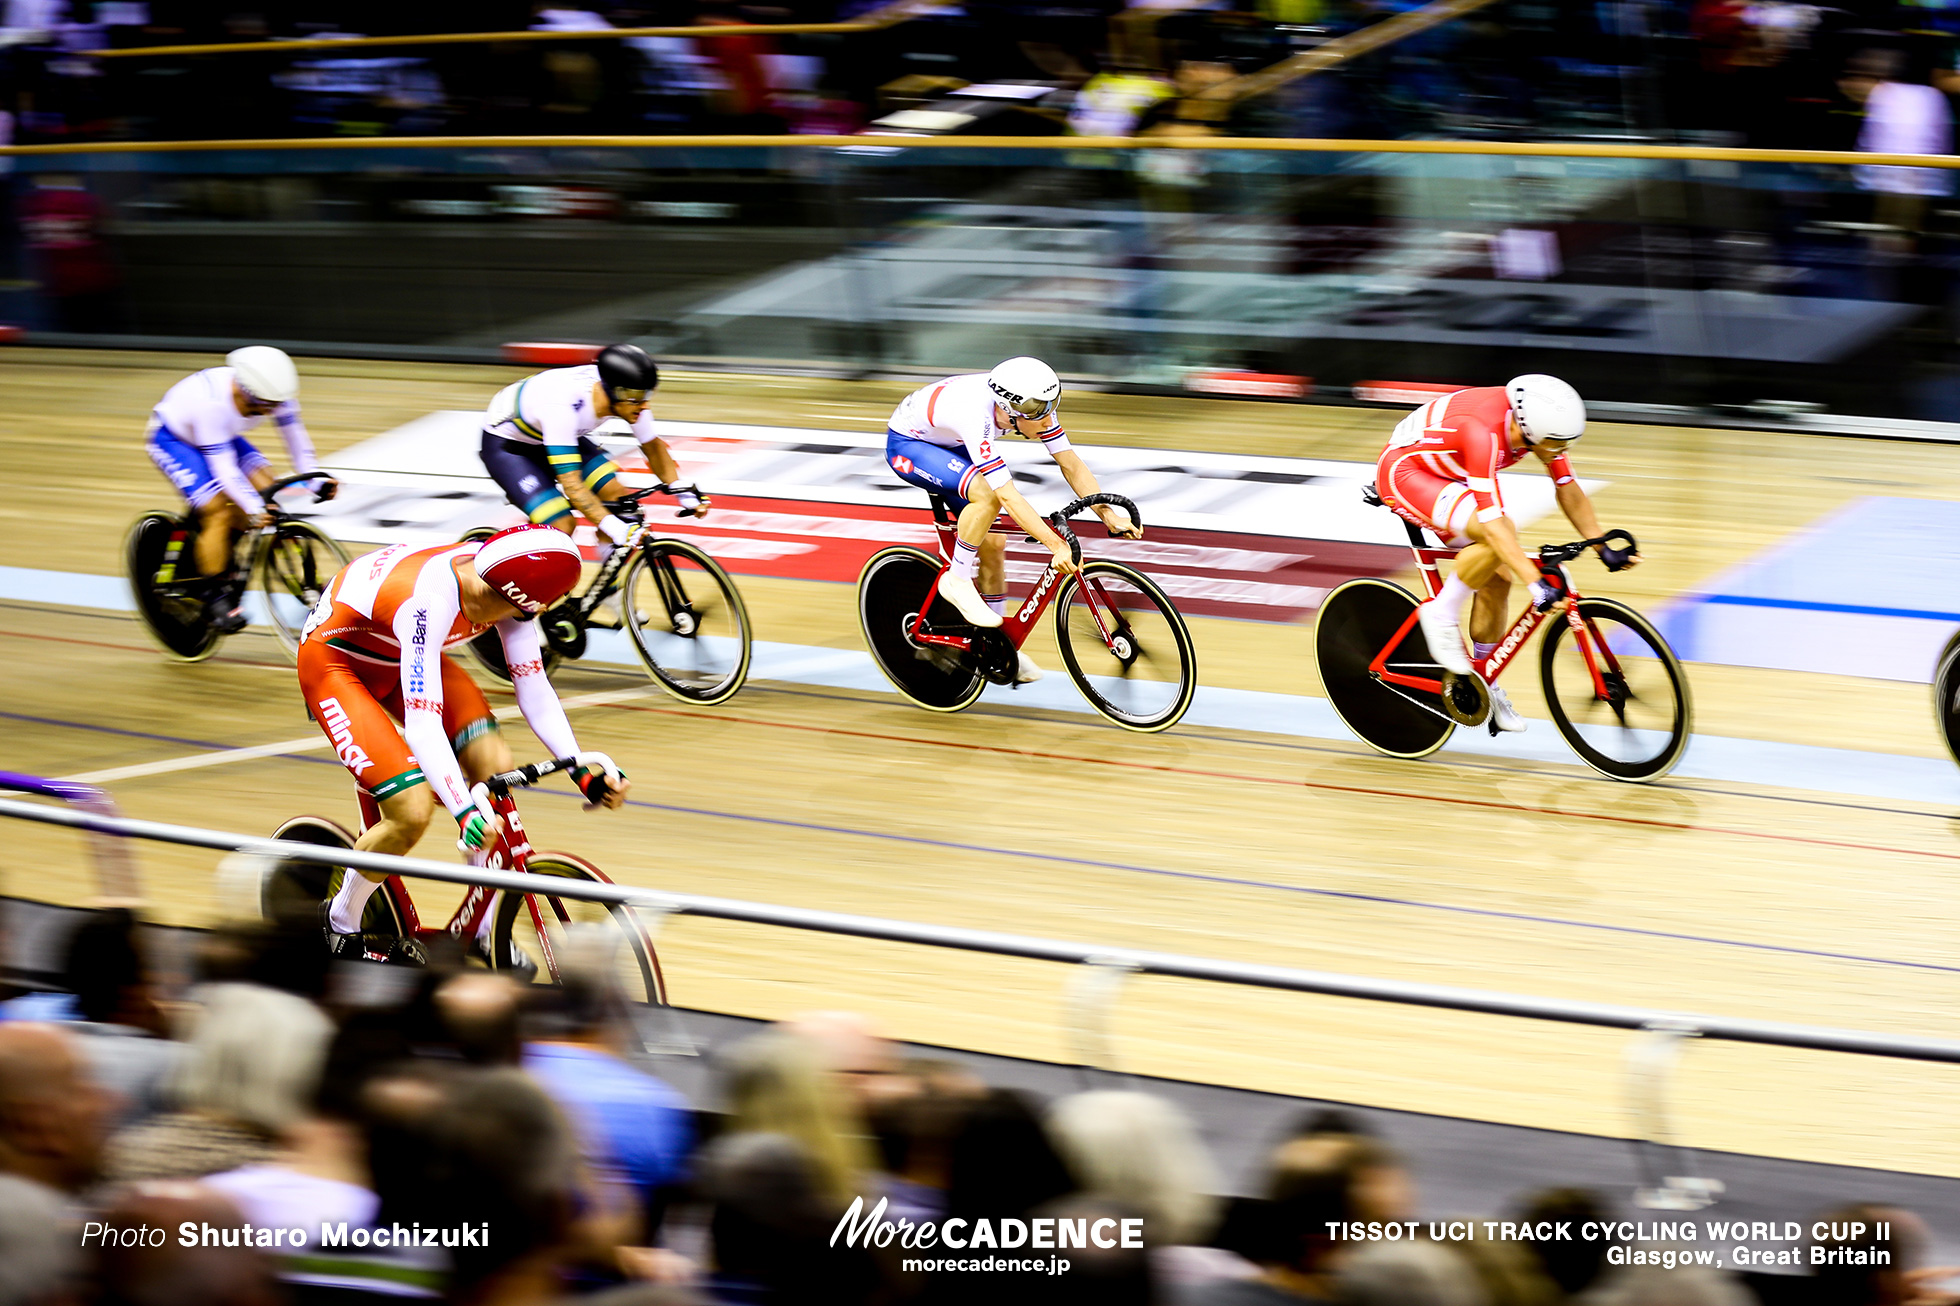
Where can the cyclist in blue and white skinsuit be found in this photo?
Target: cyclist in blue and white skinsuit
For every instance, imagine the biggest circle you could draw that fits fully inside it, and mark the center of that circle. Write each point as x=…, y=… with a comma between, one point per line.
x=197, y=439
x=942, y=439
x=538, y=445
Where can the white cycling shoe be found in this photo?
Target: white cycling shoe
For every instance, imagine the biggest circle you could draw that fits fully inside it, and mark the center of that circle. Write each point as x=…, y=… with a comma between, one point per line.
x=1029, y=670
x=1445, y=638
x=1505, y=716
x=958, y=590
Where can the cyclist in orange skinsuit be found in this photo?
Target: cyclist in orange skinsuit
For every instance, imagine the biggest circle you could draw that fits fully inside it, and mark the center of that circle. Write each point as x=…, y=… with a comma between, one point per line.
x=371, y=653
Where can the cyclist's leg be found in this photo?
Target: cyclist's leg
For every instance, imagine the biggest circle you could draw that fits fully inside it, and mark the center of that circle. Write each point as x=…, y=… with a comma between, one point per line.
x=951, y=475
x=184, y=465
x=526, y=480
x=1445, y=507
x=341, y=697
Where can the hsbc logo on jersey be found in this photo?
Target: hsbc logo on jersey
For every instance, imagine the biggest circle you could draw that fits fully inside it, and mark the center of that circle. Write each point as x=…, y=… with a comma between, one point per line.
x=901, y=464
x=341, y=731
x=519, y=597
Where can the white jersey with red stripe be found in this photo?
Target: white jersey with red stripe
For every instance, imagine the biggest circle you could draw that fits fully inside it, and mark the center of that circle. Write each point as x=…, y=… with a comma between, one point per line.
x=959, y=412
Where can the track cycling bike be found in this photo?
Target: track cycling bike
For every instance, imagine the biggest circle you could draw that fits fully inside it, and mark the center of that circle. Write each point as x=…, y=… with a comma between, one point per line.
x=1946, y=695
x=680, y=609
x=293, y=560
x=525, y=929
x=1615, y=690
x=1124, y=643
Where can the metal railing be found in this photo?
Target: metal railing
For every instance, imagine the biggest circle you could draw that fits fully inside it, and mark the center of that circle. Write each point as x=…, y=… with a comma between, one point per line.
x=1445, y=997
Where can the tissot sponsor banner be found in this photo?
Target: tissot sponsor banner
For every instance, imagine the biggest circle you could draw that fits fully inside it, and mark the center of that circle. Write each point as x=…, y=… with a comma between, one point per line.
x=1229, y=535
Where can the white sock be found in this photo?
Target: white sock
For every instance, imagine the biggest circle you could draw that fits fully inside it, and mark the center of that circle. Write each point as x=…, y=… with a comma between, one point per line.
x=350, y=902
x=1482, y=649
x=966, y=559
x=998, y=602
x=1455, y=594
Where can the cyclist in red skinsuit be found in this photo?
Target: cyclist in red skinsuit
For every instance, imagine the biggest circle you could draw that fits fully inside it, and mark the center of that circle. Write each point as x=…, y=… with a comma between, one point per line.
x=1439, y=470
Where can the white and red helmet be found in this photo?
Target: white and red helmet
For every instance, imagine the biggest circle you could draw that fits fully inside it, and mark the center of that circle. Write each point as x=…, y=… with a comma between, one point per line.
x=529, y=567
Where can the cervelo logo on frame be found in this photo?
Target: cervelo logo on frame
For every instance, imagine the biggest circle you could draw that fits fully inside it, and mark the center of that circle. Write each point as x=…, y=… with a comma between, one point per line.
x=341, y=731
x=1033, y=605
x=871, y=1229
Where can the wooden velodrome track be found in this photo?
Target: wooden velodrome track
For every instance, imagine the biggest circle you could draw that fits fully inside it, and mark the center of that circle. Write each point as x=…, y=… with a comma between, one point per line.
x=1689, y=895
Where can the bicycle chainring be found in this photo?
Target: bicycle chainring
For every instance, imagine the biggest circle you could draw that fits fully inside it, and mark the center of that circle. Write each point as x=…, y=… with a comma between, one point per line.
x=994, y=656
x=1466, y=698
x=564, y=630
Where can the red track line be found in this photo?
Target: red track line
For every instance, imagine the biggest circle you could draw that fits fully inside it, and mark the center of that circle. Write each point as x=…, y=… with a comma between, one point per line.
x=1485, y=804
x=122, y=648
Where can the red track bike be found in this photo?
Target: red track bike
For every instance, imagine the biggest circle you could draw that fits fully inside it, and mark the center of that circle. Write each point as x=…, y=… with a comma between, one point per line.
x=525, y=925
x=1124, y=643
x=1614, y=687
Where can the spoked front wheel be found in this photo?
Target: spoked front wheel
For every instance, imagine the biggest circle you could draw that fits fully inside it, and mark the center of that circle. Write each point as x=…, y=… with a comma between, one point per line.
x=891, y=590
x=688, y=622
x=1616, y=691
x=1946, y=695
x=1355, y=623
x=536, y=926
x=1126, y=646
x=169, y=594
x=294, y=570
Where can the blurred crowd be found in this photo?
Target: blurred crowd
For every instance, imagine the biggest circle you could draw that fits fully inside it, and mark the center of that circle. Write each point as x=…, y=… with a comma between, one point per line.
x=1760, y=72
x=277, y=1094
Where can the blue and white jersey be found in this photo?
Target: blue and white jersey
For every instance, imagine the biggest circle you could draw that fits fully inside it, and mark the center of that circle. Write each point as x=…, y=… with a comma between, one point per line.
x=199, y=411
x=554, y=409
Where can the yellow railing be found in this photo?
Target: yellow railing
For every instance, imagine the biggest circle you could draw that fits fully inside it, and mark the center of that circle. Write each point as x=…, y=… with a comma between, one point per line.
x=1515, y=149
x=888, y=16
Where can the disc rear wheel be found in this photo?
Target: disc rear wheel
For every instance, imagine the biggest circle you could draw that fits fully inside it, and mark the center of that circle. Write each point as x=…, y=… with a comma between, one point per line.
x=290, y=893
x=172, y=604
x=891, y=590
x=1354, y=624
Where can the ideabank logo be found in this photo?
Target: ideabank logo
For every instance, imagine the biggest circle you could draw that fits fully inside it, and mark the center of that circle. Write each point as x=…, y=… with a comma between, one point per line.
x=417, y=677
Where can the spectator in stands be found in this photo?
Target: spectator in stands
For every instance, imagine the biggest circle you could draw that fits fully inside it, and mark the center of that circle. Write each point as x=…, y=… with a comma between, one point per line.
x=319, y=1176
x=478, y=1012
x=1142, y=1151
x=852, y=1050
x=121, y=1027
x=1900, y=118
x=1575, y=1263
x=915, y=1121
x=792, y=1162
x=1310, y=1182
x=634, y=1131
x=478, y=1146
x=51, y=1112
x=1901, y=1281
x=255, y=1057
x=63, y=227
x=146, y=1272
x=40, y=1260
x=1420, y=1273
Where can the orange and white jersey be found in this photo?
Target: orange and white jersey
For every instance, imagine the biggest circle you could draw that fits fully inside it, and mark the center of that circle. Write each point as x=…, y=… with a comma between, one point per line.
x=404, y=605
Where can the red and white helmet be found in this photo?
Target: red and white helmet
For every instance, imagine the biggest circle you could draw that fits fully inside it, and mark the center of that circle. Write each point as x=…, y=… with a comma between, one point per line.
x=529, y=567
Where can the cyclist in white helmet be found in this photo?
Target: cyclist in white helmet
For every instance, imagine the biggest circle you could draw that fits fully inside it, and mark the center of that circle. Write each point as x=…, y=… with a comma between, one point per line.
x=942, y=439
x=197, y=439
x=1439, y=471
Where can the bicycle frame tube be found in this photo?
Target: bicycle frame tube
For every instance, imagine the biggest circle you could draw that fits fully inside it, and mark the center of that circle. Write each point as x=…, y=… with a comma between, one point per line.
x=511, y=852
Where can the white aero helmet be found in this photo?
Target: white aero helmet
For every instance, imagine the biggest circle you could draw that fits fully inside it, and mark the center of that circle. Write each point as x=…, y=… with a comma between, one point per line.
x=1546, y=408
x=1026, y=387
x=265, y=373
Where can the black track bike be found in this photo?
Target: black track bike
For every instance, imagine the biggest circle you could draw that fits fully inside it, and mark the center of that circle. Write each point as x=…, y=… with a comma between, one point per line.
x=292, y=559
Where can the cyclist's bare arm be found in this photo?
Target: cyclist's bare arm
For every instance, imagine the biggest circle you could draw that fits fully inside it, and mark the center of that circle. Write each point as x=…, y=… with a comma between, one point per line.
x=660, y=460
x=1017, y=506
x=1083, y=482
x=1577, y=506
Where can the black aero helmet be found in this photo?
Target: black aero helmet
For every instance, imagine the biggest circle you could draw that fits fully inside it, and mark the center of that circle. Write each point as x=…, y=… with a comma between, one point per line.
x=627, y=372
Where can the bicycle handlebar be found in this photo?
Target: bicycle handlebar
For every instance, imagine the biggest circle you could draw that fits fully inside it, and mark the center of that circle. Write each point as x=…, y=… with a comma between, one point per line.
x=1557, y=553
x=287, y=482
x=1059, y=519
x=631, y=500
x=529, y=774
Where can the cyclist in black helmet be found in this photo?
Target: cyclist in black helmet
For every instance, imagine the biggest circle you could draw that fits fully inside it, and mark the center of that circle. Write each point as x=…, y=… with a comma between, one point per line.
x=537, y=441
